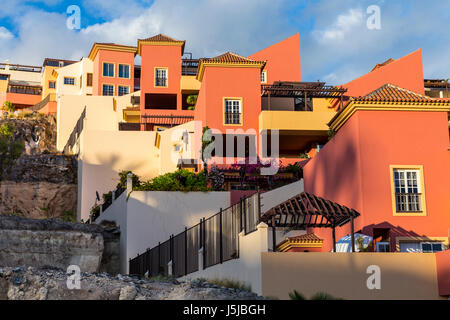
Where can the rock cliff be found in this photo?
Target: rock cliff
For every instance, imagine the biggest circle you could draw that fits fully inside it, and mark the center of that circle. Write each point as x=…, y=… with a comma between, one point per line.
x=42, y=183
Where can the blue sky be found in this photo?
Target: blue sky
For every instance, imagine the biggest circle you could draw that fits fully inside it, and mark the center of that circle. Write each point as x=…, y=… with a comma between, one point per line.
x=336, y=45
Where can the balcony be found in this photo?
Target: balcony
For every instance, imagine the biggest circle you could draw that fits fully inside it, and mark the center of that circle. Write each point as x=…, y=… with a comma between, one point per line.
x=25, y=89
x=189, y=67
x=300, y=121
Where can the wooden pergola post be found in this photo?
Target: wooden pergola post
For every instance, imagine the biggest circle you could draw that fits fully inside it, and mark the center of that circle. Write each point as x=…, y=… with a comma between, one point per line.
x=274, y=236
x=352, y=230
x=334, y=237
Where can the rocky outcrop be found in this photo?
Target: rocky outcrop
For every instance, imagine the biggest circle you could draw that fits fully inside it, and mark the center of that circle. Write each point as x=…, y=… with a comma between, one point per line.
x=38, y=133
x=42, y=183
x=22, y=283
x=58, y=244
x=40, y=186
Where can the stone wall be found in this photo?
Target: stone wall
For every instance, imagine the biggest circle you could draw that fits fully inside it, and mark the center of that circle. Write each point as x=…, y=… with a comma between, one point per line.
x=56, y=244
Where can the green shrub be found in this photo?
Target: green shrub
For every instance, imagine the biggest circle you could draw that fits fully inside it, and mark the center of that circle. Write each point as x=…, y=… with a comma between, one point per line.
x=323, y=296
x=295, y=295
x=228, y=283
x=180, y=180
x=69, y=216
x=10, y=149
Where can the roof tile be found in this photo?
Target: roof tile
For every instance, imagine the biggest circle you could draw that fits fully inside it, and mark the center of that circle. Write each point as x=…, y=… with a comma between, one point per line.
x=392, y=93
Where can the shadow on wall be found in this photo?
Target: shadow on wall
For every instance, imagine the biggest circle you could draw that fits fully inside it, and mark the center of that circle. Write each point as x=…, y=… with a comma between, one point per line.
x=101, y=176
x=334, y=174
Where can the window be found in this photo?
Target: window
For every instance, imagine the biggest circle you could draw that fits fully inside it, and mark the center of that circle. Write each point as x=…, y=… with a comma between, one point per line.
x=264, y=77
x=123, y=90
x=89, y=79
x=52, y=84
x=232, y=111
x=108, y=90
x=383, y=247
x=108, y=69
x=407, y=190
x=432, y=246
x=69, y=81
x=124, y=71
x=161, y=77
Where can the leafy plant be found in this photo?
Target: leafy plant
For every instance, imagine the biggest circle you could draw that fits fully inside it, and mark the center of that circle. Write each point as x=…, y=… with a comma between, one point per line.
x=295, y=295
x=123, y=175
x=180, y=180
x=8, y=106
x=304, y=155
x=69, y=216
x=192, y=99
x=323, y=296
x=228, y=283
x=10, y=148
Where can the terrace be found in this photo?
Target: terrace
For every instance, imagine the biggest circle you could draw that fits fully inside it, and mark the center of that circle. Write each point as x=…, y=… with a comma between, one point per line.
x=300, y=112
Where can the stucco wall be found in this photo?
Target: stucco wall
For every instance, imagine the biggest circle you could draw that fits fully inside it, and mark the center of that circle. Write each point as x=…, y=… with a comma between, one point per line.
x=246, y=269
x=147, y=218
x=104, y=154
x=404, y=276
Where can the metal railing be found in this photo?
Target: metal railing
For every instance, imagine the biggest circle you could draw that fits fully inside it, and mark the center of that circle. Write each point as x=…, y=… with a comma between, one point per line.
x=218, y=236
x=189, y=67
x=24, y=89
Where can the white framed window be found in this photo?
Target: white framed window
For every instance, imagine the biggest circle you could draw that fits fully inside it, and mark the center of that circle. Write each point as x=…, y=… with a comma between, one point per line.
x=108, y=90
x=408, y=191
x=233, y=111
x=383, y=247
x=124, y=71
x=69, y=81
x=264, y=76
x=161, y=78
x=108, y=69
x=432, y=246
x=52, y=84
x=123, y=90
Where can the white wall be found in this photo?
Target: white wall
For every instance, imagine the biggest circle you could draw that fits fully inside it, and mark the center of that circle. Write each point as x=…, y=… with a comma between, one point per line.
x=103, y=154
x=150, y=217
x=75, y=70
x=246, y=269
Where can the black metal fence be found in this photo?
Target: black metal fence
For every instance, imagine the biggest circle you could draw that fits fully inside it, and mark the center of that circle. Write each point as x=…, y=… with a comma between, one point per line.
x=218, y=236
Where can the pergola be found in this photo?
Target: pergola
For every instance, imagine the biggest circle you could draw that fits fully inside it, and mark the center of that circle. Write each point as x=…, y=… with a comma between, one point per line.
x=301, y=90
x=306, y=210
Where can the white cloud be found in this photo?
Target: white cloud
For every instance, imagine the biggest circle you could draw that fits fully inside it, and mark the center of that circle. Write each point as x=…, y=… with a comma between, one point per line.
x=344, y=24
x=5, y=34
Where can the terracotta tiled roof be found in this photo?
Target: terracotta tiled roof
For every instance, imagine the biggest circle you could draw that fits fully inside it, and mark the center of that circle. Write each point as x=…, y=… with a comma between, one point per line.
x=308, y=237
x=230, y=57
x=379, y=65
x=227, y=58
x=161, y=37
x=391, y=93
x=305, y=240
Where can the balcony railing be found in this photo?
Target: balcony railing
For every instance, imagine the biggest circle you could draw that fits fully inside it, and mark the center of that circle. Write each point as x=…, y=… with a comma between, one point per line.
x=189, y=67
x=232, y=118
x=24, y=90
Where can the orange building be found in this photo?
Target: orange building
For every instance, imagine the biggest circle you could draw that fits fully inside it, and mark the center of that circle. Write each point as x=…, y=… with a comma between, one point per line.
x=113, y=69
x=390, y=161
x=406, y=72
